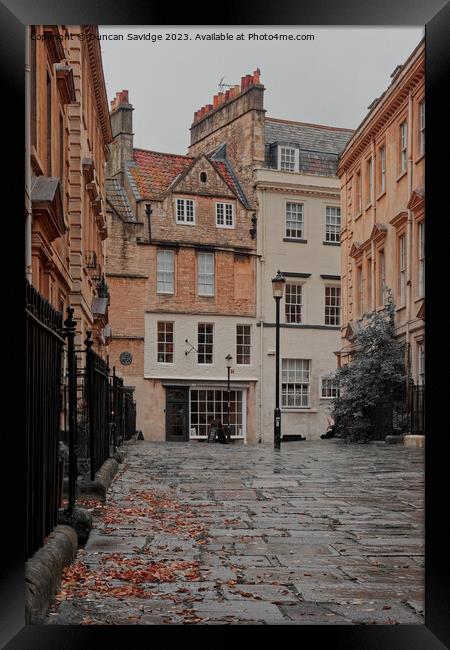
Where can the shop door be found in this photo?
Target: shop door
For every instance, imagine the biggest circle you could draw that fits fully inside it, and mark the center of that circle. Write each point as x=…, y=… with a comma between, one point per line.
x=177, y=414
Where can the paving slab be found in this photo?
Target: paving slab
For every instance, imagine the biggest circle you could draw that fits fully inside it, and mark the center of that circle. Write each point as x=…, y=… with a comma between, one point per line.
x=319, y=534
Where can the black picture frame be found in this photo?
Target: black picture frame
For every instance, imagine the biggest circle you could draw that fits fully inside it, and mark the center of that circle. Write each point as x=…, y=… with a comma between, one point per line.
x=435, y=16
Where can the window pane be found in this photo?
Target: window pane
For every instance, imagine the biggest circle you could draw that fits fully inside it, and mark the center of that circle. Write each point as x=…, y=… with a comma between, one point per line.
x=243, y=344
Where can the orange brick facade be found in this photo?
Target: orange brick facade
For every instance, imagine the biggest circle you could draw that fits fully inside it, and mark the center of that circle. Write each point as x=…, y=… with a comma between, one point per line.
x=383, y=212
x=68, y=142
x=143, y=191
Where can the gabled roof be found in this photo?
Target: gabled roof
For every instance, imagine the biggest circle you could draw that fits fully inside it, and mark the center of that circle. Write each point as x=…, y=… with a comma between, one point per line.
x=152, y=174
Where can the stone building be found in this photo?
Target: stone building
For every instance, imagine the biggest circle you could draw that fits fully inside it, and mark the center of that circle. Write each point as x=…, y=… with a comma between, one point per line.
x=181, y=265
x=67, y=146
x=289, y=169
x=383, y=213
x=298, y=233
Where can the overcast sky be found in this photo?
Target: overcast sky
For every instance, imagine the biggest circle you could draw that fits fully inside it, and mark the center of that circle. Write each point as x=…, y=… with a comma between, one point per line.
x=330, y=80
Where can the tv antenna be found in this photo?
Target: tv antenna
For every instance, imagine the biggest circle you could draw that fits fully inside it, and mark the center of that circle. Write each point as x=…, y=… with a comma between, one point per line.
x=223, y=85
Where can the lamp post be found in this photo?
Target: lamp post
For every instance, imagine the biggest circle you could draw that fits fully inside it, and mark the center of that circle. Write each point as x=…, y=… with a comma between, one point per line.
x=228, y=359
x=278, y=283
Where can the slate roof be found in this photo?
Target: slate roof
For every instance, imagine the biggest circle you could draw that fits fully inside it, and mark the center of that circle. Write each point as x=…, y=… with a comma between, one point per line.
x=319, y=145
x=118, y=199
x=220, y=161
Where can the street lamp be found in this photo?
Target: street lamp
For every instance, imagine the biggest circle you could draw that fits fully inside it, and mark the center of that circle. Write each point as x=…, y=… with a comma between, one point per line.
x=228, y=359
x=278, y=283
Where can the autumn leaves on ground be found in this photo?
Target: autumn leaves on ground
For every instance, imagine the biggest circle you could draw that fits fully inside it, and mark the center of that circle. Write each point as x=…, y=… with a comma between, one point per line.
x=214, y=534
x=136, y=573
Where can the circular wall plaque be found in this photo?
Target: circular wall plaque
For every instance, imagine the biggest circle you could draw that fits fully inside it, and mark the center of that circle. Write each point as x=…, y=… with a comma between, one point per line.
x=125, y=358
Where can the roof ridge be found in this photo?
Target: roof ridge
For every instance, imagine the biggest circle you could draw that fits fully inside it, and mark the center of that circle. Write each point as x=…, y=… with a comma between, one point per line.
x=163, y=153
x=317, y=126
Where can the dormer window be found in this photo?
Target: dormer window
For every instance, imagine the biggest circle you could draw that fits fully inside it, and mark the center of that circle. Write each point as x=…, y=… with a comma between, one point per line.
x=288, y=158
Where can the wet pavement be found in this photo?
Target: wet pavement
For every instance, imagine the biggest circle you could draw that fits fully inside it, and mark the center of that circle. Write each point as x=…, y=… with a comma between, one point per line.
x=195, y=533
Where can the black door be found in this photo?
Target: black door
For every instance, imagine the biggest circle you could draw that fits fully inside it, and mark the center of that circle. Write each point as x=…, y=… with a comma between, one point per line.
x=177, y=414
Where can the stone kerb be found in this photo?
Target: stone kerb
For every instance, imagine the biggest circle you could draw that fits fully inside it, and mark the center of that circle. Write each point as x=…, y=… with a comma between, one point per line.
x=43, y=572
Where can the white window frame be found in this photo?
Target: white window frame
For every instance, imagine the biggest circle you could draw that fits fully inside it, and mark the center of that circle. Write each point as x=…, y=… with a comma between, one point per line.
x=322, y=396
x=203, y=273
x=205, y=363
x=403, y=146
x=421, y=258
x=224, y=205
x=301, y=213
x=165, y=271
x=332, y=223
x=422, y=127
x=245, y=365
x=183, y=219
x=369, y=171
x=333, y=286
x=383, y=168
x=238, y=436
x=296, y=383
x=402, y=270
x=298, y=285
x=281, y=149
x=165, y=363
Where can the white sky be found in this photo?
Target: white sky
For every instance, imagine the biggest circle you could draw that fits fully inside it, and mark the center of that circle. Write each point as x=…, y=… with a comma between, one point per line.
x=330, y=80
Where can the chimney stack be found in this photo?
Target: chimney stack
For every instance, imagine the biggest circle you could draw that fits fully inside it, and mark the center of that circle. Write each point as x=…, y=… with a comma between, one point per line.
x=121, y=148
x=222, y=98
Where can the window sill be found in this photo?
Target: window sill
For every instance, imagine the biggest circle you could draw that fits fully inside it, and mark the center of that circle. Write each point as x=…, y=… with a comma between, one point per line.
x=402, y=174
x=165, y=293
x=357, y=216
x=185, y=223
x=226, y=227
x=331, y=243
x=368, y=206
x=208, y=297
x=419, y=298
x=421, y=157
x=298, y=409
x=381, y=194
x=295, y=240
x=400, y=307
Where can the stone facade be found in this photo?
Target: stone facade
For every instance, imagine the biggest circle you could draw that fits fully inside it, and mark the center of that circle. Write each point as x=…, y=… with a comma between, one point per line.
x=69, y=134
x=144, y=189
x=383, y=211
x=233, y=159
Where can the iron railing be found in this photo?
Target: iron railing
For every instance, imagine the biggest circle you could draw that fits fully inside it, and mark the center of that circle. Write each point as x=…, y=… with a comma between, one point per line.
x=76, y=414
x=98, y=407
x=130, y=414
x=417, y=410
x=44, y=345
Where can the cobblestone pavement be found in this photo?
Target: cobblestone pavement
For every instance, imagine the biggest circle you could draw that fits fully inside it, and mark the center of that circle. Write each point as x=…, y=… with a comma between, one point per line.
x=320, y=533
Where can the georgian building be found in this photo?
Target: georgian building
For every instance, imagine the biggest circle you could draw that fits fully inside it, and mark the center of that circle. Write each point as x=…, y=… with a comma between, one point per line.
x=298, y=234
x=194, y=243
x=383, y=213
x=67, y=147
x=289, y=169
x=181, y=265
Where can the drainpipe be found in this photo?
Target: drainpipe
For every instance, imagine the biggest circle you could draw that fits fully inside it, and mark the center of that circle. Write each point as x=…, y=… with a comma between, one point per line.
x=262, y=239
x=374, y=212
x=409, y=237
x=28, y=207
